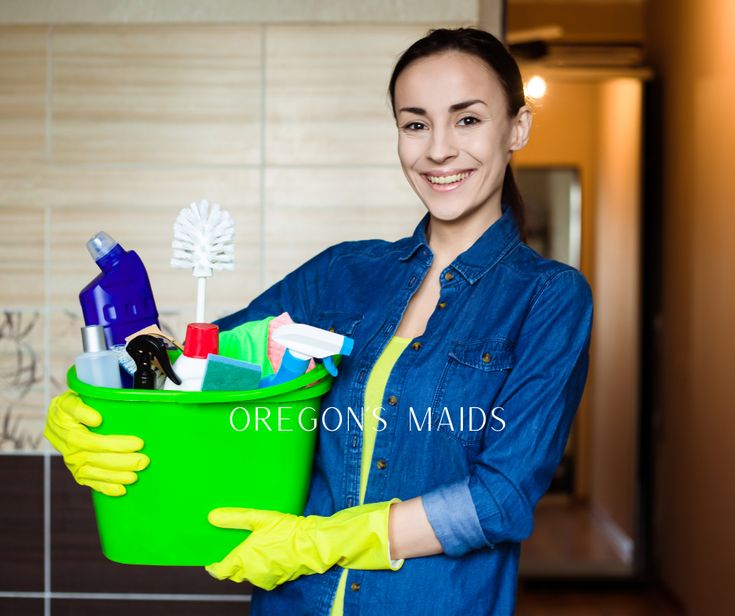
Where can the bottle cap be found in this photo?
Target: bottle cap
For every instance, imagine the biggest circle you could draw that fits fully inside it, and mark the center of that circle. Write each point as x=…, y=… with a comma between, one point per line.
x=93, y=338
x=100, y=245
x=201, y=340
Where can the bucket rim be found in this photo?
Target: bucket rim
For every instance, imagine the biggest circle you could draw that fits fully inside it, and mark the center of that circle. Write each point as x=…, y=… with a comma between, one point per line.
x=295, y=389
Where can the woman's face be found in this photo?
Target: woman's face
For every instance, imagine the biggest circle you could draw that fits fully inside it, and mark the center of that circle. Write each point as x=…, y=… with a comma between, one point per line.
x=454, y=134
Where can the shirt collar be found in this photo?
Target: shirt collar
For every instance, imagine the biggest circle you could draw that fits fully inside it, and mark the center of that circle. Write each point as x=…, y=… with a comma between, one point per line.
x=479, y=258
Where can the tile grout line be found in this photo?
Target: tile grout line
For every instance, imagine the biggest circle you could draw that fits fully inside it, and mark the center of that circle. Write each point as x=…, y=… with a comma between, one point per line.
x=133, y=596
x=49, y=93
x=47, y=534
x=325, y=166
x=263, y=115
x=47, y=397
x=47, y=328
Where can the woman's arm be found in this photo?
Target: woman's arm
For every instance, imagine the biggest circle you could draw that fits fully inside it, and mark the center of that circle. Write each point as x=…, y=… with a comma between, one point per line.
x=296, y=293
x=410, y=532
x=495, y=502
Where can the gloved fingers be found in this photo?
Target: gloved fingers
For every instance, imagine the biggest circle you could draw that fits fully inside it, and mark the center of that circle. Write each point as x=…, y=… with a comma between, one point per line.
x=231, y=568
x=87, y=472
x=66, y=433
x=109, y=489
x=55, y=439
x=110, y=461
x=243, y=518
x=71, y=404
x=224, y=570
x=83, y=440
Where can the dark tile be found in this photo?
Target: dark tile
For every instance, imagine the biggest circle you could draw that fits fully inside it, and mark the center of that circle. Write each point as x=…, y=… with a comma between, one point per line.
x=77, y=562
x=90, y=607
x=21, y=607
x=21, y=523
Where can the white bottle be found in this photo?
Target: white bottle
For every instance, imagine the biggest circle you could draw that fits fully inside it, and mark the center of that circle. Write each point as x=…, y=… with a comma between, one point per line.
x=201, y=340
x=97, y=366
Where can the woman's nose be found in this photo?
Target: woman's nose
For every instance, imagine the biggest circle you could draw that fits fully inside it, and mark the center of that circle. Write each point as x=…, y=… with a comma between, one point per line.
x=441, y=146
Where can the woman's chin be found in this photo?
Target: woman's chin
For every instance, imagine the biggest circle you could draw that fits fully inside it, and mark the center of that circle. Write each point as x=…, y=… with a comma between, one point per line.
x=447, y=214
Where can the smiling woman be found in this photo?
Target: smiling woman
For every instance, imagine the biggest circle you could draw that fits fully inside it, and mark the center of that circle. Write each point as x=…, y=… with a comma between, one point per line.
x=460, y=315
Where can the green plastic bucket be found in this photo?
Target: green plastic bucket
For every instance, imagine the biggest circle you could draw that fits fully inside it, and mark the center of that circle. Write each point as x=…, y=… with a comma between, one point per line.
x=207, y=449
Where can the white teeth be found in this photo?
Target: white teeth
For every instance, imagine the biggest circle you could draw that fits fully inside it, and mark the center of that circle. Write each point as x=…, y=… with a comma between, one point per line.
x=447, y=179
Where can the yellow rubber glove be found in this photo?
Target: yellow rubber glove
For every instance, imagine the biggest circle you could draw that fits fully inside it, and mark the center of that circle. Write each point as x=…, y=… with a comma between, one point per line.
x=105, y=463
x=283, y=547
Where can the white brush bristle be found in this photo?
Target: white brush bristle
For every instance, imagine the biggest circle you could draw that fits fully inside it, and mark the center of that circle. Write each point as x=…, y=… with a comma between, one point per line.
x=203, y=239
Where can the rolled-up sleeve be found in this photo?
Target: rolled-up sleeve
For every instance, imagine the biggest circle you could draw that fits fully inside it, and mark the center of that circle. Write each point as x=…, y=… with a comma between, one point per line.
x=539, y=399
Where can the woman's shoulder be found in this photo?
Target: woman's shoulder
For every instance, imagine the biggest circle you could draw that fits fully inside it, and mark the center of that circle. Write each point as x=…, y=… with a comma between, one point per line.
x=525, y=262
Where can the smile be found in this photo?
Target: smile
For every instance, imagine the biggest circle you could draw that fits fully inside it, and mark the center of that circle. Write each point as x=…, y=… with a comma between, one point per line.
x=447, y=182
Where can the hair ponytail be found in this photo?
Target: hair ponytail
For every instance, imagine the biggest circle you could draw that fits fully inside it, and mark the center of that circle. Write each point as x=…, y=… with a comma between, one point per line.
x=512, y=196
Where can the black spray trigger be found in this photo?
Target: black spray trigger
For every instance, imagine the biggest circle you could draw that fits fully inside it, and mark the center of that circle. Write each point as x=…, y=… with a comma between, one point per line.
x=144, y=349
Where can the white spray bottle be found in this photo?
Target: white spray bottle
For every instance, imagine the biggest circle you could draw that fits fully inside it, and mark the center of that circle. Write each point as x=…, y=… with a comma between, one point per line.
x=304, y=342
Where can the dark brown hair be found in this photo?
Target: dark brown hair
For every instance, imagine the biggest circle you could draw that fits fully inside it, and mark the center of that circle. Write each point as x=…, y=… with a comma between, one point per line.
x=495, y=55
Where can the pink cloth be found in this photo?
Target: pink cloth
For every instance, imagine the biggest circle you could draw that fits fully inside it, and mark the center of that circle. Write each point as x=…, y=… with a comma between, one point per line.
x=275, y=350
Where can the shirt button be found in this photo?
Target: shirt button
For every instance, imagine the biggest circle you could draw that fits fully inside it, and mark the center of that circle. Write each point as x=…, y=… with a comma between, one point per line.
x=355, y=586
x=442, y=305
x=416, y=346
x=486, y=357
x=448, y=276
x=381, y=464
x=392, y=400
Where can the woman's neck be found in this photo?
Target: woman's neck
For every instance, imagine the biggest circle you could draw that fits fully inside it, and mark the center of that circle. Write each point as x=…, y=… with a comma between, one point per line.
x=450, y=238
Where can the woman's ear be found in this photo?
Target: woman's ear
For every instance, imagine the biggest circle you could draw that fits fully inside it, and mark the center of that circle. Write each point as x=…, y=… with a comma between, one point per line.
x=521, y=128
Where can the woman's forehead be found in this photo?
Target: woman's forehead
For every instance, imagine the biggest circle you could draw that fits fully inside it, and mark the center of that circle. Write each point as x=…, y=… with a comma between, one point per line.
x=442, y=80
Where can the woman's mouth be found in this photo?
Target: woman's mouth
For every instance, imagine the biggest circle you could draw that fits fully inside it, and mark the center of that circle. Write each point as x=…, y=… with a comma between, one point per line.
x=443, y=183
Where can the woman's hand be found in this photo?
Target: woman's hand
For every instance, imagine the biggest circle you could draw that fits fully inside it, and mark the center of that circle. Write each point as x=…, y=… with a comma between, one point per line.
x=283, y=546
x=105, y=463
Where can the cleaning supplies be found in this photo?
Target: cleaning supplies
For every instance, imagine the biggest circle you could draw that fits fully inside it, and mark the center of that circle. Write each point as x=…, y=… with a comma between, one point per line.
x=127, y=363
x=227, y=374
x=96, y=365
x=120, y=298
x=201, y=340
x=144, y=349
x=203, y=241
x=304, y=342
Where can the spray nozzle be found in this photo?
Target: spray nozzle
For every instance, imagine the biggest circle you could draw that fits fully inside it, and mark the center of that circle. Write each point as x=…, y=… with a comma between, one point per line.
x=144, y=350
x=328, y=364
x=304, y=342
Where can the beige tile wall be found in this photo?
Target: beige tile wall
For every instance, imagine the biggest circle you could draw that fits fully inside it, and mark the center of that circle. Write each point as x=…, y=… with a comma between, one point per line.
x=117, y=127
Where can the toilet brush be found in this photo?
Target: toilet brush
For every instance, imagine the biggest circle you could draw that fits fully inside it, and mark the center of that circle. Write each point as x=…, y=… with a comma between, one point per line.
x=203, y=241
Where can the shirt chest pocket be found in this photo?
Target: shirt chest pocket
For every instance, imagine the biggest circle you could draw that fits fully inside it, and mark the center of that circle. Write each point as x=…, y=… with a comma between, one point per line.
x=474, y=373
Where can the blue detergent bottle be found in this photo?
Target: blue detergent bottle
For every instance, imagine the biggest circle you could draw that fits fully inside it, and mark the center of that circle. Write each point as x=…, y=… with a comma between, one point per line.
x=120, y=298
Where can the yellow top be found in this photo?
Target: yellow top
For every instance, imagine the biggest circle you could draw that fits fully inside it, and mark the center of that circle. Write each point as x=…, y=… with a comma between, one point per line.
x=374, y=391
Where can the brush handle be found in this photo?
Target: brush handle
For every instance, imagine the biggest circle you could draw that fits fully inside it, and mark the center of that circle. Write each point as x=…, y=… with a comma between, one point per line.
x=201, y=294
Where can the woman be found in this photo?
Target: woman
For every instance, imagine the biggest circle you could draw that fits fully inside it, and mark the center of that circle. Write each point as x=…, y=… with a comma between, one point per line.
x=472, y=347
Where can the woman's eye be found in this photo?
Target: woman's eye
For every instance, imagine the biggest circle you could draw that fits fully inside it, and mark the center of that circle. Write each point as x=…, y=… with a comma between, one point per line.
x=468, y=121
x=413, y=126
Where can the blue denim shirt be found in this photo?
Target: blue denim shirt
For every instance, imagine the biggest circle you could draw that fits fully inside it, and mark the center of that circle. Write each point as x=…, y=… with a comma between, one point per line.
x=510, y=336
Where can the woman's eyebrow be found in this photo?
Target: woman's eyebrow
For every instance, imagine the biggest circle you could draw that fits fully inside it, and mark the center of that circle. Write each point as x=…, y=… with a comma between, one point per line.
x=452, y=108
